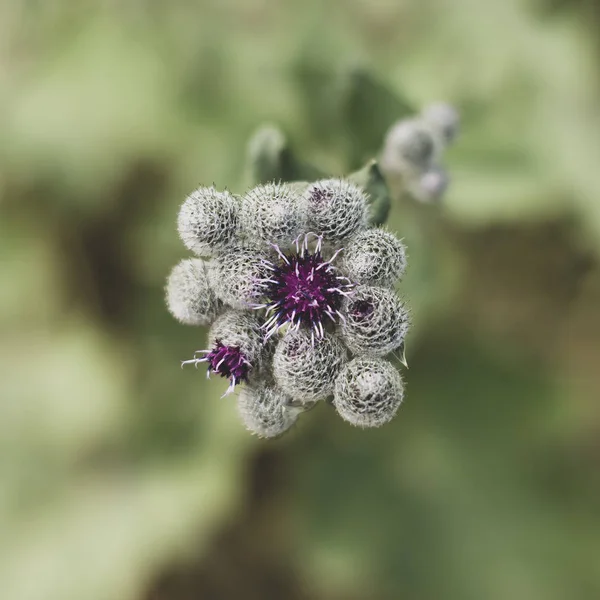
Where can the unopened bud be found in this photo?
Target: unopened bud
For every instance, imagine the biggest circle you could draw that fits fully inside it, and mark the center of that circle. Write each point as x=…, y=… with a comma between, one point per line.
x=444, y=119
x=336, y=209
x=375, y=321
x=374, y=257
x=265, y=411
x=190, y=298
x=305, y=367
x=235, y=276
x=368, y=392
x=208, y=221
x=272, y=214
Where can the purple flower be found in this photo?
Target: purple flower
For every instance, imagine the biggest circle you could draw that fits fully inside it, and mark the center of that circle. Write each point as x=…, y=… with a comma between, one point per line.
x=227, y=361
x=236, y=348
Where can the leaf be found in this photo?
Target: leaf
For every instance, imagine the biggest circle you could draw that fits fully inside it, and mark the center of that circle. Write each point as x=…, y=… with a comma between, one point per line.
x=271, y=158
x=372, y=181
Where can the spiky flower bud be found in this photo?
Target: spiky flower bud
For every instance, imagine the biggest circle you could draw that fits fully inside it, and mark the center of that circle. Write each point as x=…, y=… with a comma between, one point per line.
x=409, y=146
x=190, y=298
x=368, y=392
x=336, y=208
x=266, y=411
x=240, y=329
x=444, y=119
x=272, y=214
x=376, y=321
x=431, y=186
x=236, y=348
x=235, y=276
x=208, y=221
x=374, y=257
x=305, y=367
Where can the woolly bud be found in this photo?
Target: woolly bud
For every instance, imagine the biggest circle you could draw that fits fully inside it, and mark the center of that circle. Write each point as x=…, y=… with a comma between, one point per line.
x=374, y=257
x=272, y=214
x=376, y=321
x=444, y=120
x=305, y=367
x=337, y=208
x=208, y=221
x=189, y=297
x=368, y=392
x=408, y=146
x=265, y=411
x=240, y=330
x=235, y=276
x=431, y=186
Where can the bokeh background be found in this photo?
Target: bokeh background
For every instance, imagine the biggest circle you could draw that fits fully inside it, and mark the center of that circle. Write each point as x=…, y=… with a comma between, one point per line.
x=123, y=477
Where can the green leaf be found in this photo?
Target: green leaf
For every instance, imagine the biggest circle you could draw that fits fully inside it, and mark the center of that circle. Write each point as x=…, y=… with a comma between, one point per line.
x=372, y=181
x=271, y=158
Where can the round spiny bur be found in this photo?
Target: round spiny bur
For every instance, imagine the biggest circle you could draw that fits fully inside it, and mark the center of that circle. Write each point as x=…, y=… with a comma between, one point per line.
x=208, y=221
x=375, y=322
x=266, y=411
x=444, y=119
x=272, y=214
x=368, y=392
x=431, y=186
x=305, y=367
x=189, y=297
x=408, y=146
x=374, y=257
x=336, y=208
x=235, y=276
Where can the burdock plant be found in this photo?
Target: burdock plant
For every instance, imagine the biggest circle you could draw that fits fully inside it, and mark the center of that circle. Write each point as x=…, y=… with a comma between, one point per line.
x=296, y=281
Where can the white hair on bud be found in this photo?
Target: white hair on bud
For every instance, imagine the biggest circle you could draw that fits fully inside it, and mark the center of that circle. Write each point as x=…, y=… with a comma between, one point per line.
x=190, y=298
x=305, y=366
x=375, y=321
x=337, y=208
x=431, y=185
x=208, y=221
x=374, y=257
x=235, y=276
x=272, y=214
x=409, y=148
x=368, y=392
x=266, y=411
x=444, y=120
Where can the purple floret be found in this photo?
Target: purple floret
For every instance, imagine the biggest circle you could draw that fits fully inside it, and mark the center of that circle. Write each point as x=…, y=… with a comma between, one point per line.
x=302, y=289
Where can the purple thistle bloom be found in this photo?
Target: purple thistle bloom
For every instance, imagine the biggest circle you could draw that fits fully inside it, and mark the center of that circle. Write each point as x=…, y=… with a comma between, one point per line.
x=228, y=361
x=302, y=289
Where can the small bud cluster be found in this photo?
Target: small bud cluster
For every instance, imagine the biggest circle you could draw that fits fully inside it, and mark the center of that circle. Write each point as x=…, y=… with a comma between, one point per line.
x=298, y=291
x=414, y=147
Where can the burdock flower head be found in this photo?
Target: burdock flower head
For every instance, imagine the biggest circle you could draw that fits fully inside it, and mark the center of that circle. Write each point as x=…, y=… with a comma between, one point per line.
x=294, y=283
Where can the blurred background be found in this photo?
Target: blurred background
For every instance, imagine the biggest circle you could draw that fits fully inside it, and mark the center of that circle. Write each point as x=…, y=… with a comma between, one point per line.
x=123, y=477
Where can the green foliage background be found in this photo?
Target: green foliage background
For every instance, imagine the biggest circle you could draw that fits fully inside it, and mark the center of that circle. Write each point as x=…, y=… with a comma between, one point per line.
x=122, y=477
